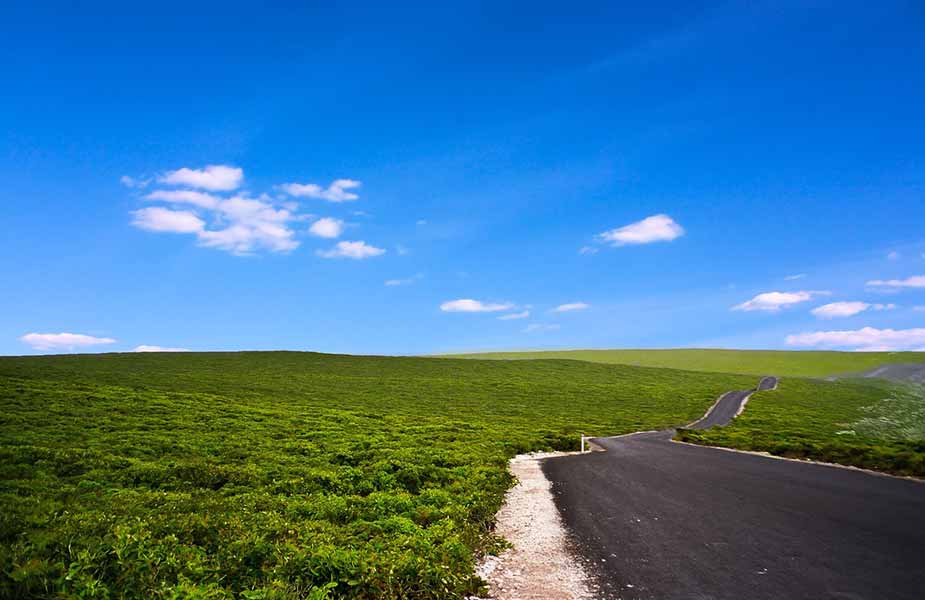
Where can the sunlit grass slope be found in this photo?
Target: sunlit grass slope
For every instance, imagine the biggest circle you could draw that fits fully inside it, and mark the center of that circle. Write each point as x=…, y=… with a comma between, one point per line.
x=869, y=423
x=287, y=475
x=754, y=362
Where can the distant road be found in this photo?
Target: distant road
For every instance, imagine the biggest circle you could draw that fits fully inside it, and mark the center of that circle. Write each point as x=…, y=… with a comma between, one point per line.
x=664, y=520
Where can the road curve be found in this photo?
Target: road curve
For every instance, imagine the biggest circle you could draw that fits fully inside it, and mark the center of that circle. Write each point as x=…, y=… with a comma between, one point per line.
x=730, y=404
x=663, y=520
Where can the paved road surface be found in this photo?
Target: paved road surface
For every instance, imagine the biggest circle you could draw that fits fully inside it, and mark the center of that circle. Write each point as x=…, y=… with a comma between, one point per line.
x=663, y=520
x=729, y=404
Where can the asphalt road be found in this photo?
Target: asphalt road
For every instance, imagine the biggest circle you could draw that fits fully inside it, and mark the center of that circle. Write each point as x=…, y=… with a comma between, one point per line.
x=729, y=404
x=663, y=520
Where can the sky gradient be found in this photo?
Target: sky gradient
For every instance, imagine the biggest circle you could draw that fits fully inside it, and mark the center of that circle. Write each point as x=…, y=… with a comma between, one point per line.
x=432, y=178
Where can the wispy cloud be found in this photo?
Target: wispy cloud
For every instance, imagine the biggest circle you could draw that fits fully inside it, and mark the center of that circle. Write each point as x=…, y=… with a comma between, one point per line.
x=63, y=341
x=133, y=182
x=657, y=228
x=570, y=307
x=200, y=199
x=915, y=281
x=337, y=191
x=774, y=301
x=355, y=250
x=514, y=316
x=405, y=281
x=894, y=255
x=165, y=220
x=540, y=327
x=795, y=277
x=866, y=339
x=836, y=310
x=216, y=178
x=147, y=348
x=327, y=227
x=587, y=250
x=467, y=305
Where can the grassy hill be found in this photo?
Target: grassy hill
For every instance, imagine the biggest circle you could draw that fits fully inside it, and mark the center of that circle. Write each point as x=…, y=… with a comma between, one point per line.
x=871, y=424
x=284, y=475
x=264, y=475
x=752, y=362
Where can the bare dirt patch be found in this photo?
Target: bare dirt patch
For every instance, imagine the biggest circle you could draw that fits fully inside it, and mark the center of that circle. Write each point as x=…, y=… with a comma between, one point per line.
x=539, y=566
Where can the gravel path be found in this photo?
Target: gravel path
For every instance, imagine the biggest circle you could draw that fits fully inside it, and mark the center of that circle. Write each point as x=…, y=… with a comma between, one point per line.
x=540, y=565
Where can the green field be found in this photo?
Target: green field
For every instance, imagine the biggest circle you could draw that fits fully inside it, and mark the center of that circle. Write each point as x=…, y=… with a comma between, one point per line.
x=860, y=422
x=287, y=475
x=808, y=363
x=299, y=475
x=869, y=424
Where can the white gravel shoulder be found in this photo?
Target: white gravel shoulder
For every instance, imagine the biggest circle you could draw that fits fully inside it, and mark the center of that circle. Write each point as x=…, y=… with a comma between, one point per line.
x=539, y=566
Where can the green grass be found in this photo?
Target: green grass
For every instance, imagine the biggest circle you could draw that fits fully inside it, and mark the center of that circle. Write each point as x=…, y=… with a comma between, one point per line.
x=752, y=362
x=863, y=423
x=287, y=475
x=874, y=425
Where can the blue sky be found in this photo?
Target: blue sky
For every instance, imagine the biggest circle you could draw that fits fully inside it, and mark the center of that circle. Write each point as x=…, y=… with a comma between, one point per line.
x=429, y=177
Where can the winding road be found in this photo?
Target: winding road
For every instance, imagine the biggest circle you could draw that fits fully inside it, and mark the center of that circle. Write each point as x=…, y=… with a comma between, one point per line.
x=664, y=520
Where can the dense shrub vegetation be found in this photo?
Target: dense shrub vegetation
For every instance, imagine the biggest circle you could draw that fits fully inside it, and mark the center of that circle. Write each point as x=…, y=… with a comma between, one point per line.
x=861, y=423
x=810, y=363
x=287, y=475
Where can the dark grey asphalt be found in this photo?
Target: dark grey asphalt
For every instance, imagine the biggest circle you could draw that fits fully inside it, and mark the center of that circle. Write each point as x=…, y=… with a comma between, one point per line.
x=728, y=405
x=663, y=520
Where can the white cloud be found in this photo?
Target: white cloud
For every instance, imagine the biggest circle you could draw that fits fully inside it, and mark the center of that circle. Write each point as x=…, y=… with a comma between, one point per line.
x=147, y=348
x=916, y=281
x=587, y=250
x=243, y=239
x=540, y=327
x=774, y=301
x=570, y=307
x=795, y=277
x=513, y=316
x=250, y=225
x=63, y=341
x=200, y=199
x=132, y=182
x=468, y=305
x=866, y=339
x=356, y=250
x=405, y=281
x=216, y=178
x=336, y=192
x=401, y=250
x=240, y=224
x=836, y=310
x=657, y=228
x=164, y=220
x=421, y=222
x=894, y=255
x=327, y=228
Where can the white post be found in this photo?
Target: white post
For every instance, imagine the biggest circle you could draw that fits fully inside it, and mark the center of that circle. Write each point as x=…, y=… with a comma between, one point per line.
x=582, y=443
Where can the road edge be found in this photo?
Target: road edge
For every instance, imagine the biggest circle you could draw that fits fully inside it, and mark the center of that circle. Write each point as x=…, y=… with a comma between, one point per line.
x=540, y=564
x=805, y=461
